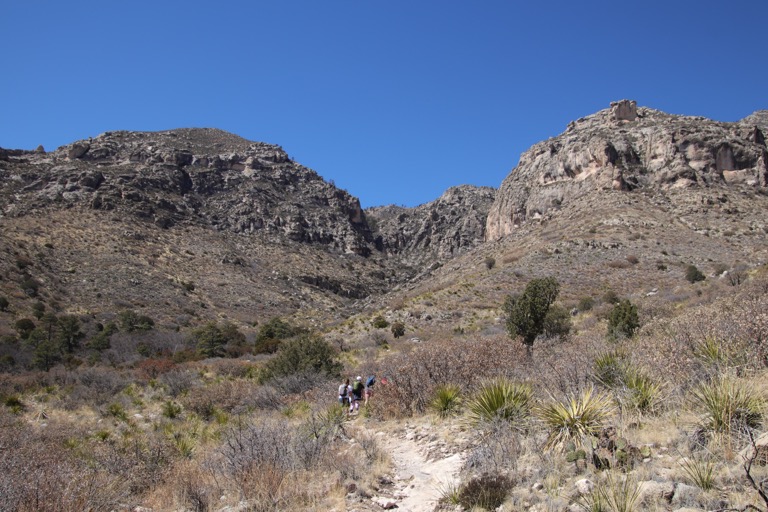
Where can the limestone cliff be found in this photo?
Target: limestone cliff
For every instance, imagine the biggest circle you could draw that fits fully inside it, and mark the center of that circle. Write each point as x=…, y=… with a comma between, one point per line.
x=629, y=148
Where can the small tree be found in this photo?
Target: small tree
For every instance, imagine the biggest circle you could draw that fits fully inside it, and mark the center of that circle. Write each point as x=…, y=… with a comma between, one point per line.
x=693, y=274
x=69, y=333
x=38, y=309
x=490, y=262
x=272, y=333
x=210, y=340
x=526, y=312
x=398, y=329
x=623, y=319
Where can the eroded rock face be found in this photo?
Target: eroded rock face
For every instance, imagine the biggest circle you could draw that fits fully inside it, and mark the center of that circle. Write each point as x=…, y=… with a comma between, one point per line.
x=438, y=230
x=188, y=175
x=629, y=148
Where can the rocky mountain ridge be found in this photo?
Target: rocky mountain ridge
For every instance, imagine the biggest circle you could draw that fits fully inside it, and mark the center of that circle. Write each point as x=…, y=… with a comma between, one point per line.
x=629, y=148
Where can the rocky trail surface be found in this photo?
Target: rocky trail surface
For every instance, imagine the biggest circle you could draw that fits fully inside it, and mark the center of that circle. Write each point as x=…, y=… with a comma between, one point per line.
x=424, y=466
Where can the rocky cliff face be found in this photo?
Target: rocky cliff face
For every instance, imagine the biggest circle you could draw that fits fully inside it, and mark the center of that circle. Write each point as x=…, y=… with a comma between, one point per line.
x=629, y=148
x=439, y=230
x=189, y=175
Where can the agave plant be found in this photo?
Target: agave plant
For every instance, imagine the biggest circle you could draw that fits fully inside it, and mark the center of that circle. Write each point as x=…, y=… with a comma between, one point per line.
x=501, y=399
x=580, y=415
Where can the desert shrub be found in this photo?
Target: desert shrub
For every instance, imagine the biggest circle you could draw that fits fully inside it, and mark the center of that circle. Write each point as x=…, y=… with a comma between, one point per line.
x=131, y=321
x=619, y=264
x=398, y=329
x=272, y=333
x=498, y=452
x=611, y=297
x=693, y=274
x=526, y=312
x=380, y=322
x=501, y=399
x=623, y=319
x=585, y=304
x=490, y=262
x=728, y=405
x=46, y=354
x=557, y=322
x=308, y=353
x=38, y=309
x=178, y=381
x=446, y=401
x=24, y=326
x=700, y=472
x=4, y=303
x=633, y=259
x=485, y=491
x=609, y=368
x=580, y=415
x=29, y=285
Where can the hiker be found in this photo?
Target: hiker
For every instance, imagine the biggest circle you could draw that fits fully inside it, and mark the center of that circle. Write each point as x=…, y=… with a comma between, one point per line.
x=344, y=390
x=370, y=381
x=357, y=395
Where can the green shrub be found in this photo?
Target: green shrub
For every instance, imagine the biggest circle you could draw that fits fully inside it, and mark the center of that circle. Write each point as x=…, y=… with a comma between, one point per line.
x=642, y=393
x=38, y=310
x=579, y=416
x=380, y=322
x=272, y=333
x=24, y=326
x=501, y=399
x=609, y=368
x=398, y=329
x=304, y=354
x=490, y=262
x=693, y=274
x=623, y=319
x=611, y=297
x=526, y=312
x=447, y=400
x=131, y=321
x=585, y=304
x=557, y=322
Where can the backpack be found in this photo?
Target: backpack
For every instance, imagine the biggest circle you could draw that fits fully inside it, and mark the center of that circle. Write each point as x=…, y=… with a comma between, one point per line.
x=371, y=381
x=358, y=388
x=343, y=390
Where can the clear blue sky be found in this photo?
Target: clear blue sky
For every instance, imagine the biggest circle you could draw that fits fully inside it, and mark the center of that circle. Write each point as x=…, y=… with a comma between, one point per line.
x=395, y=101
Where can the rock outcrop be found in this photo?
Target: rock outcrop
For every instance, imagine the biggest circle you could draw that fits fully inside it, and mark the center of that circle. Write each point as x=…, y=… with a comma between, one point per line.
x=629, y=148
x=189, y=175
x=437, y=230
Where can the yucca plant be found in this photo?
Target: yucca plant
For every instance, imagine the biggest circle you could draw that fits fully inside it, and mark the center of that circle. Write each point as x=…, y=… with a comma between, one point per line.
x=617, y=493
x=728, y=405
x=643, y=393
x=501, y=399
x=700, y=471
x=447, y=400
x=609, y=368
x=581, y=415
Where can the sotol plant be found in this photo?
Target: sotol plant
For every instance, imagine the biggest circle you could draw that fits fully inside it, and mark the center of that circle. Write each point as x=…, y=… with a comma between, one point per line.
x=580, y=415
x=502, y=399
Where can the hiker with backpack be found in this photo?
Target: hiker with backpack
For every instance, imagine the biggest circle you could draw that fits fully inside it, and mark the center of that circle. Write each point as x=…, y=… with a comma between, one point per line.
x=357, y=395
x=370, y=381
x=344, y=392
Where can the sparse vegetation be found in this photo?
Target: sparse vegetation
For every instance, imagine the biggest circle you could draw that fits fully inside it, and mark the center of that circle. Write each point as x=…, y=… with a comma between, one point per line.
x=623, y=320
x=693, y=274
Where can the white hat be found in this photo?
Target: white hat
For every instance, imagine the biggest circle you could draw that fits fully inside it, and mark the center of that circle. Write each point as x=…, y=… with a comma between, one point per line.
x=359, y=378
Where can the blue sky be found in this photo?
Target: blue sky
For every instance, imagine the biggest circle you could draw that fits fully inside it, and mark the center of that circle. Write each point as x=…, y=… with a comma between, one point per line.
x=394, y=101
